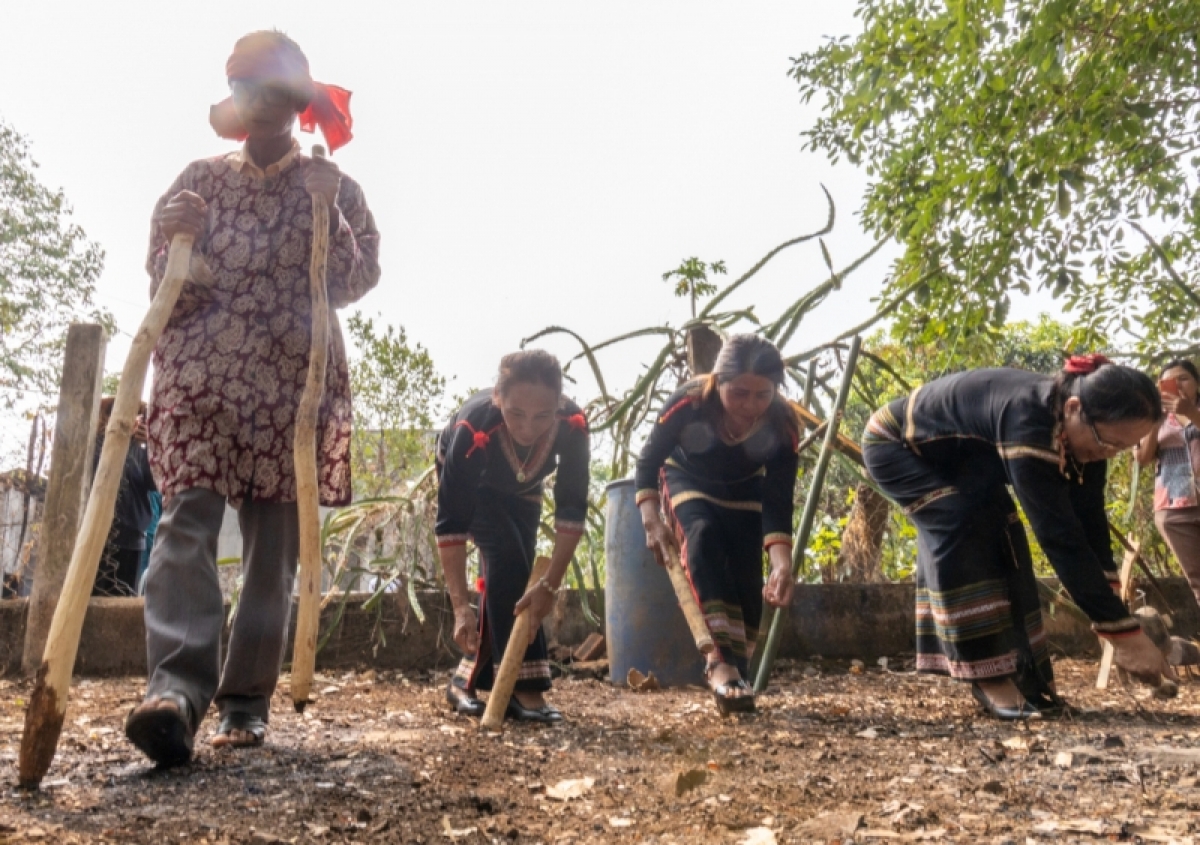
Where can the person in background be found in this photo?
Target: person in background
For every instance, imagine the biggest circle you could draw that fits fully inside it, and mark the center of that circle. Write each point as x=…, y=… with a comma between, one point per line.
x=1174, y=448
x=715, y=484
x=492, y=460
x=125, y=546
x=948, y=452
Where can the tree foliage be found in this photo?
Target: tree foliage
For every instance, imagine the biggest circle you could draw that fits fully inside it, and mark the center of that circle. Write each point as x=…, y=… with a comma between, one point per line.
x=397, y=400
x=1014, y=146
x=48, y=274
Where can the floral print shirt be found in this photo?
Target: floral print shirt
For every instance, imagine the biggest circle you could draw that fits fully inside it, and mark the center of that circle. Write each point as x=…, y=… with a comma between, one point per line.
x=1175, y=469
x=230, y=367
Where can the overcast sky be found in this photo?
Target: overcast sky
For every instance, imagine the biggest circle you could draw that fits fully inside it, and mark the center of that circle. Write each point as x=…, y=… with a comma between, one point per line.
x=528, y=163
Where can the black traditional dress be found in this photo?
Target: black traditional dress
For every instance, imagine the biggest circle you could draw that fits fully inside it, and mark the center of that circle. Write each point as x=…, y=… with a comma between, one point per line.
x=726, y=502
x=945, y=454
x=490, y=491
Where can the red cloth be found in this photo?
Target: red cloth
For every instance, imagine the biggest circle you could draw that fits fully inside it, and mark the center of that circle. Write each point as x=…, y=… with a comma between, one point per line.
x=263, y=57
x=1085, y=364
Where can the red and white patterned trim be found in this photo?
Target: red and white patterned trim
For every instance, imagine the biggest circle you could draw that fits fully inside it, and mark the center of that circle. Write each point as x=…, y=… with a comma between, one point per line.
x=777, y=538
x=1121, y=628
x=565, y=526
x=447, y=540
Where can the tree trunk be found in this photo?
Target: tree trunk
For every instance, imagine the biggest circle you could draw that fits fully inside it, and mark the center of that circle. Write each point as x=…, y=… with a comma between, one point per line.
x=862, y=541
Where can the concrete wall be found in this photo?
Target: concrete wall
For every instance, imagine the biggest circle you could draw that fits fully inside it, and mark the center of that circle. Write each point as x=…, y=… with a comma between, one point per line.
x=863, y=621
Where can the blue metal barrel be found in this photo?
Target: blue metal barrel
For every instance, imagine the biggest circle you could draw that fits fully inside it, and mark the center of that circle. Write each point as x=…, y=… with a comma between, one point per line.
x=644, y=627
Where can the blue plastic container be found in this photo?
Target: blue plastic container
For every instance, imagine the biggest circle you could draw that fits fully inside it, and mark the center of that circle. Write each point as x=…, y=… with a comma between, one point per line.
x=644, y=627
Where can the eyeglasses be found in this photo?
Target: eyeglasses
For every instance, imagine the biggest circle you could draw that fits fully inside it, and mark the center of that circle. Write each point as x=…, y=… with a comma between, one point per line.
x=1107, y=447
x=271, y=95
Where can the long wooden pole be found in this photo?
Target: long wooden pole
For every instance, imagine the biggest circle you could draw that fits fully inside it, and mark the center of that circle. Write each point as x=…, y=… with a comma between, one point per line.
x=689, y=606
x=510, y=663
x=810, y=512
x=48, y=703
x=308, y=618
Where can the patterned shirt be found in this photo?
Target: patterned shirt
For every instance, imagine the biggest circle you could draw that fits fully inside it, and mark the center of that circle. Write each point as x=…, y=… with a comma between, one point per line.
x=230, y=367
x=1175, y=467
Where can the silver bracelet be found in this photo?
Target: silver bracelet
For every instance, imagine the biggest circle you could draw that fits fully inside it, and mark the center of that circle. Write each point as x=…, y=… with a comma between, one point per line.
x=545, y=585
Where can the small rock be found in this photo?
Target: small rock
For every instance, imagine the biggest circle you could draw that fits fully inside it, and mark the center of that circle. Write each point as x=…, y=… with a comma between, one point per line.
x=993, y=787
x=1064, y=759
x=1112, y=741
x=260, y=838
x=683, y=781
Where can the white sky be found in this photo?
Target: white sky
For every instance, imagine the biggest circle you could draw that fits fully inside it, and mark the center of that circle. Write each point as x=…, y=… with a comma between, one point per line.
x=528, y=163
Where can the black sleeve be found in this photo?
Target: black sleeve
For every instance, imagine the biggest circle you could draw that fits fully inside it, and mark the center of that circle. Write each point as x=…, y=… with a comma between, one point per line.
x=458, y=485
x=663, y=439
x=1072, y=529
x=571, y=479
x=779, y=488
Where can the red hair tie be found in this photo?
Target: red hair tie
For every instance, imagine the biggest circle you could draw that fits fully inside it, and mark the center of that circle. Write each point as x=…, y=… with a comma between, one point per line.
x=479, y=584
x=577, y=422
x=1082, y=365
x=479, y=439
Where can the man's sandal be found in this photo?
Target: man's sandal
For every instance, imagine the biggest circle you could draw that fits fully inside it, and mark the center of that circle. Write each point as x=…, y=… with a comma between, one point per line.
x=244, y=722
x=163, y=734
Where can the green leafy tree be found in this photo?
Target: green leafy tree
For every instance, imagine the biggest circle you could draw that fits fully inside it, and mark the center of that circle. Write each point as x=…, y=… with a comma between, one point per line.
x=1013, y=146
x=48, y=274
x=691, y=279
x=397, y=402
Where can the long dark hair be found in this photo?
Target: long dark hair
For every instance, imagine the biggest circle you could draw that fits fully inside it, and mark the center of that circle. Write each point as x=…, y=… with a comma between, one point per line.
x=1182, y=364
x=750, y=354
x=1107, y=392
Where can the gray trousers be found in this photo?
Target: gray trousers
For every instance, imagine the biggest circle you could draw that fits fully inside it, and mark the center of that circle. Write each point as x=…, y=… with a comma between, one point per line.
x=185, y=611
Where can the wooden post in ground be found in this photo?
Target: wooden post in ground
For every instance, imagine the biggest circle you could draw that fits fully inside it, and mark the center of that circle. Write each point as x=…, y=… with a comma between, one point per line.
x=70, y=476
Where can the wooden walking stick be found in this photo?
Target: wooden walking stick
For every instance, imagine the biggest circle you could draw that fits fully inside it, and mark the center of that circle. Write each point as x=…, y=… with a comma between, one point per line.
x=48, y=703
x=689, y=606
x=308, y=618
x=510, y=664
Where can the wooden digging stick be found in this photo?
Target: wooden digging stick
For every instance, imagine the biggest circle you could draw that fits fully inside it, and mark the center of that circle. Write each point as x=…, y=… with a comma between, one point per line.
x=308, y=618
x=48, y=703
x=510, y=664
x=1108, y=652
x=687, y=603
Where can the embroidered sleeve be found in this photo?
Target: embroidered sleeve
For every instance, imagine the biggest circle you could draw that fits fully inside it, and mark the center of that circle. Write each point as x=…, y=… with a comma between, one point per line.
x=353, y=264
x=571, y=480
x=779, y=490
x=663, y=439
x=463, y=462
x=1072, y=529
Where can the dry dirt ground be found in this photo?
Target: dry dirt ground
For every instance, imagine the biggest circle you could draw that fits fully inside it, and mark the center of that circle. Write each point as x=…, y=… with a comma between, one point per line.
x=837, y=753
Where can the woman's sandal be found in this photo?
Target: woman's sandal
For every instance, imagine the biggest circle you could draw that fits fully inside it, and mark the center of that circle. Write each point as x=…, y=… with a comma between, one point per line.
x=163, y=734
x=244, y=722
x=546, y=714
x=728, y=702
x=1006, y=714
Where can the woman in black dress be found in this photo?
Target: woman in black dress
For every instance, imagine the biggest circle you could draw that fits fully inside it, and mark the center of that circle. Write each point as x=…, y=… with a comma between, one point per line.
x=493, y=458
x=715, y=481
x=946, y=454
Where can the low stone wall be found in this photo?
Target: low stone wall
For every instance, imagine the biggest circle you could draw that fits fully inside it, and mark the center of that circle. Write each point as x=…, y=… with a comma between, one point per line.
x=864, y=621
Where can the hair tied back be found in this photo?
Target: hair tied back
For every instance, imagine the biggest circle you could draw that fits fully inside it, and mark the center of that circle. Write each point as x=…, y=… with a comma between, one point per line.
x=1082, y=365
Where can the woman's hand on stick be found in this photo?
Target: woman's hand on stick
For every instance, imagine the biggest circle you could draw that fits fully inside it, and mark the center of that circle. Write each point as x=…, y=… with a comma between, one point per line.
x=660, y=540
x=466, y=629
x=185, y=213
x=780, y=584
x=538, y=601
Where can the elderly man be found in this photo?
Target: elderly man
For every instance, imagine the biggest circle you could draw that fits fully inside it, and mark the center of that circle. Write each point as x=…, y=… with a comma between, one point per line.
x=229, y=372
